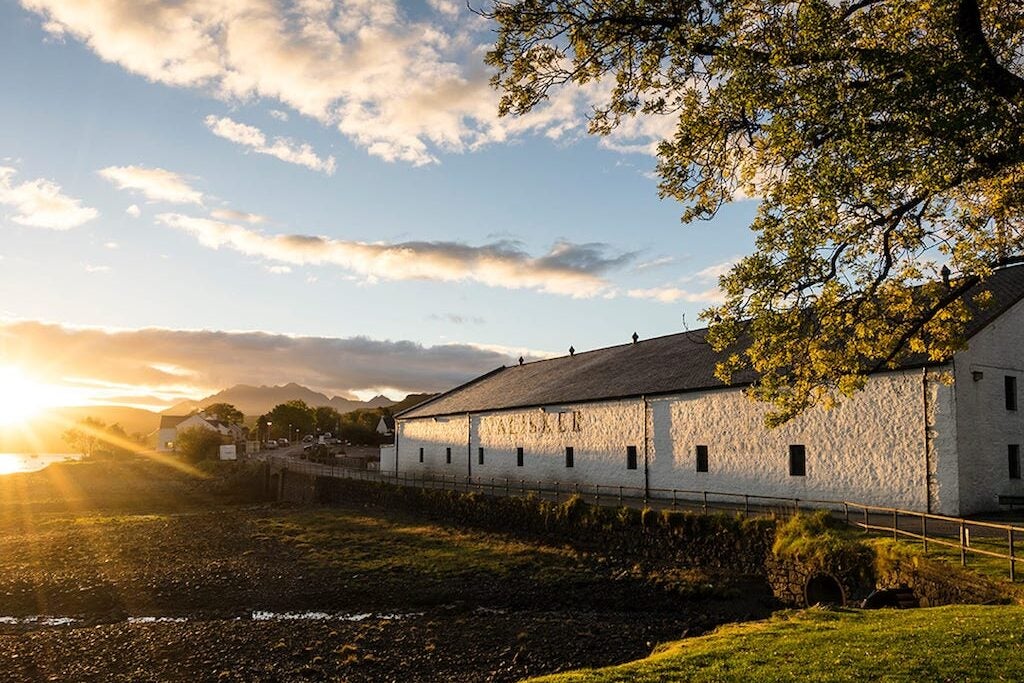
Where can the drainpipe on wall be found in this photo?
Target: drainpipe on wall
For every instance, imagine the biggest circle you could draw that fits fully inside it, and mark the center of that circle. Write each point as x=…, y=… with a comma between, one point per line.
x=927, y=445
x=396, y=448
x=469, y=445
x=647, y=476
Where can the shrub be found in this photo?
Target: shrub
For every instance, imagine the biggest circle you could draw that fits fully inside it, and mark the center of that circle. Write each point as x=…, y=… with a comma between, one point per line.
x=198, y=444
x=818, y=541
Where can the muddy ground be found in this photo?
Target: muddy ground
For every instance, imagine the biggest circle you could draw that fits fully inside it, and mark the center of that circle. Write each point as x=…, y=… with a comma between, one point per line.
x=135, y=591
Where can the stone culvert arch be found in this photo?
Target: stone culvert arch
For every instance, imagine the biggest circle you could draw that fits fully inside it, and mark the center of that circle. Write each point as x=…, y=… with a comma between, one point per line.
x=804, y=582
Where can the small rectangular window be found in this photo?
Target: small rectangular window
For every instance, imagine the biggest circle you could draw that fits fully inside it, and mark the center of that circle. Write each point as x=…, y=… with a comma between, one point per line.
x=1013, y=460
x=797, y=461
x=1010, y=387
x=702, y=458
x=448, y=455
x=630, y=457
x=480, y=455
x=421, y=455
x=568, y=456
x=519, y=456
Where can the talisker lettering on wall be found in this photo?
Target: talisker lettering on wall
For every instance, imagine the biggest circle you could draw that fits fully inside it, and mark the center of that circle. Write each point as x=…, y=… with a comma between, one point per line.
x=539, y=423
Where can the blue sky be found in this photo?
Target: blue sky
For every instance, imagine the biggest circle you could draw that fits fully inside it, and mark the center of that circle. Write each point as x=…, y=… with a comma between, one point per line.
x=134, y=136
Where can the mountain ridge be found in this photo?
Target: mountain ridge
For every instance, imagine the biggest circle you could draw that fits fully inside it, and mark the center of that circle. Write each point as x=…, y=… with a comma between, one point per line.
x=254, y=401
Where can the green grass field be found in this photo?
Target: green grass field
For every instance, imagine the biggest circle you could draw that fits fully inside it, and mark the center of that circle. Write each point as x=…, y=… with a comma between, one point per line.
x=959, y=643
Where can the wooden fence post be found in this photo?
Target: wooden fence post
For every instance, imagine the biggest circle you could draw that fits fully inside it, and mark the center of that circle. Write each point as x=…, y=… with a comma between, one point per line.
x=1013, y=561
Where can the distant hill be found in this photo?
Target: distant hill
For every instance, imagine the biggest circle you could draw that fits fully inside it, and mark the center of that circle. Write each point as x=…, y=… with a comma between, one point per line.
x=43, y=433
x=410, y=401
x=255, y=401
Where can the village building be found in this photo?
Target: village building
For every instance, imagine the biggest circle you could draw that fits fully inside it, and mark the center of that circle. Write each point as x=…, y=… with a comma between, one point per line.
x=172, y=425
x=942, y=437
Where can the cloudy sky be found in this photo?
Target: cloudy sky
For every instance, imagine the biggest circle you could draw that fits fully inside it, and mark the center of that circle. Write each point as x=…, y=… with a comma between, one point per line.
x=195, y=193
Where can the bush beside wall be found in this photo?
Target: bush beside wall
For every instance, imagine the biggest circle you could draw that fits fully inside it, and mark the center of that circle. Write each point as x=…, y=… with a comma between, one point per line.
x=682, y=538
x=787, y=554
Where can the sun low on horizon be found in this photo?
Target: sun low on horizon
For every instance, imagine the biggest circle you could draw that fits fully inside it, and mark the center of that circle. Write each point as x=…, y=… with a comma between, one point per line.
x=23, y=396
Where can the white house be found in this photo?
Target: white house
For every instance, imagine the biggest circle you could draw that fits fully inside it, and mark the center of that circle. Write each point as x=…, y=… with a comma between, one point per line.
x=943, y=437
x=386, y=425
x=172, y=425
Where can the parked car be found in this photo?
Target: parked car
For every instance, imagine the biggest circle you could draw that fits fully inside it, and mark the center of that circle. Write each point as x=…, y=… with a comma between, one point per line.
x=282, y=442
x=271, y=445
x=308, y=438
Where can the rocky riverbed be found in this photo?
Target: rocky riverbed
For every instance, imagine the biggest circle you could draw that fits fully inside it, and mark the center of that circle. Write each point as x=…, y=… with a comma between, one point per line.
x=213, y=591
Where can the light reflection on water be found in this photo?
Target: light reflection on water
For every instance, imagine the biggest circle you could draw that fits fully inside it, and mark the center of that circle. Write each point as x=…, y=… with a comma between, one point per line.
x=259, y=615
x=11, y=463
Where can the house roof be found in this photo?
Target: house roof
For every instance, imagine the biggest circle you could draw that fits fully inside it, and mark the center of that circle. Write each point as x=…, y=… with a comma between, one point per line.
x=168, y=421
x=675, y=363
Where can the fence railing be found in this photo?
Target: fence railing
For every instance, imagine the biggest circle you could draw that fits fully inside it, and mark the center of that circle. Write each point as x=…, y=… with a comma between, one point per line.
x=988, y=539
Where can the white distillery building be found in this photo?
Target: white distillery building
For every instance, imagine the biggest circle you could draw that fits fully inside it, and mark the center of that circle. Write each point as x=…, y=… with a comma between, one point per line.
x=652, y=415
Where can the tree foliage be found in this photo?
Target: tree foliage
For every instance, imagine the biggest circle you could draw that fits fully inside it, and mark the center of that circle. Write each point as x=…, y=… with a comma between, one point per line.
x=198, y=443
x=94, y=438
x=360, y=426
x=296, y=414
x=224, y=412
x=883, y=138
x=328, y=419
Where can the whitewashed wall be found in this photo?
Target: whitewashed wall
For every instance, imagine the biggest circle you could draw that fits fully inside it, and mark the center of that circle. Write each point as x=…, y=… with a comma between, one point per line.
x=984, y=426
x=434, y=436
x=166, y=435
x=599, y=434
x=870, y=449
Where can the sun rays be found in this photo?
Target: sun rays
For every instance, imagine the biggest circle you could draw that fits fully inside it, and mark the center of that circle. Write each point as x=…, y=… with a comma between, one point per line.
x=21, y=396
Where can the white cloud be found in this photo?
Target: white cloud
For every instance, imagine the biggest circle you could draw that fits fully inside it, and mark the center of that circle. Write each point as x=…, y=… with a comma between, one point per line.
x=655, y=263
x=668, y=295
x=711, y=273
x=284, y=149
x=134, y=211
x=403, y=88
x=157, y=184
x=279, y=270
x=572, y=269
x=89, y=268
x=41, y=203
x=232, y=215
x=279, y=115
x=708, y=277
x=178, y=364
x=112, y=245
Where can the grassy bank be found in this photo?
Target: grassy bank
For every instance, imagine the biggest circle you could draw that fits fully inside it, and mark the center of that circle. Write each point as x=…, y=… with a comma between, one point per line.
x=961, y=643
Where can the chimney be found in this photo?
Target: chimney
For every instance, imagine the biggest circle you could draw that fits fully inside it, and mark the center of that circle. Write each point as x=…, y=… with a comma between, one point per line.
x=945, y=276
x=636, y=337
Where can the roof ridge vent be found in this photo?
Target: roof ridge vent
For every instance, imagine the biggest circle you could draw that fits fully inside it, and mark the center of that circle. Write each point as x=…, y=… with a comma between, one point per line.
x=636, y=337
x=572, y=351
x=520, y=360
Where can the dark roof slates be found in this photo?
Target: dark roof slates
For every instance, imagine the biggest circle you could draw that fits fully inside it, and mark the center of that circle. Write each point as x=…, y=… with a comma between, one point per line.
x=674, y=363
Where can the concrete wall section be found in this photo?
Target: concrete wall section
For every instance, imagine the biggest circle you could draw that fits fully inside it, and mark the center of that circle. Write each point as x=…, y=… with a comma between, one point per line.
x=869, y=449
x=985, y=427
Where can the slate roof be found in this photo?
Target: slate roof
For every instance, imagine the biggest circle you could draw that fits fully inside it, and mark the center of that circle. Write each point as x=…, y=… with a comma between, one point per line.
x=168, y=421
x=671, y=364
